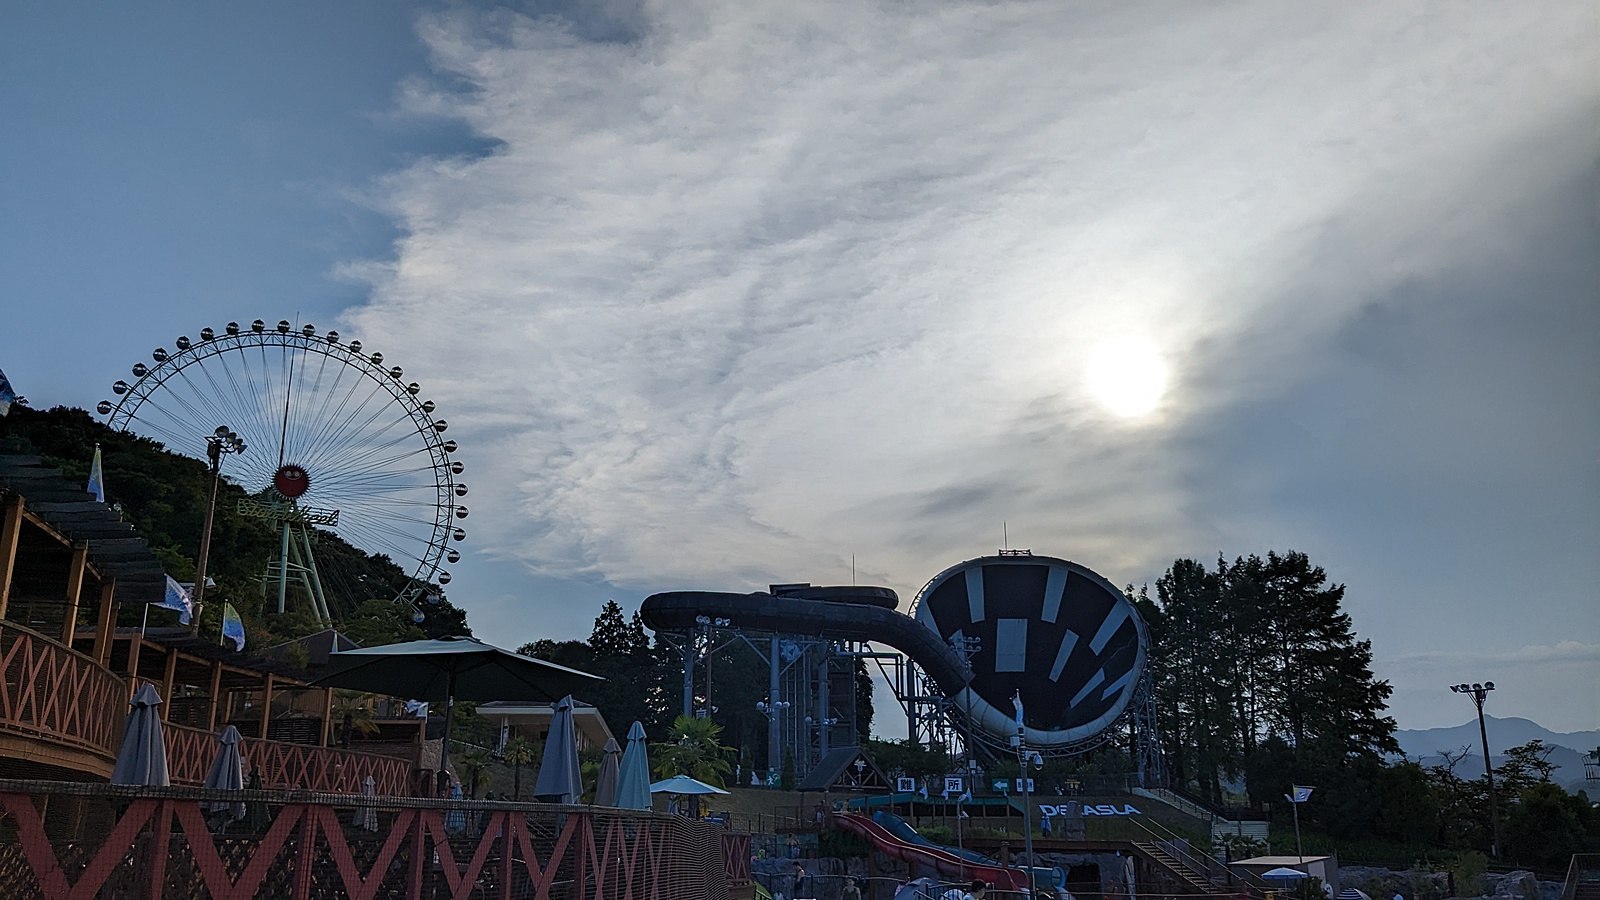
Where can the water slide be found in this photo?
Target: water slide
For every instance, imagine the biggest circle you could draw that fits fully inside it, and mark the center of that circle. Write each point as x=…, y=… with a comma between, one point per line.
x=929, y=856
x=902, y=829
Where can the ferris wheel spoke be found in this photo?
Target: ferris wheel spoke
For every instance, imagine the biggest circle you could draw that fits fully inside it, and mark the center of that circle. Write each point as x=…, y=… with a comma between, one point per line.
x=258, y=392
x=249, y=425
x=314, y=420
x=217, y=390
x=368, y=458
x=203, y=399
x=306, y=423
x=341, y=430
x=369, y=442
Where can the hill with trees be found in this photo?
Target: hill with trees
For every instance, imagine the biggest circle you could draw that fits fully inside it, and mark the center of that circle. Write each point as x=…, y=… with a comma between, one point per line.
x=164, y=495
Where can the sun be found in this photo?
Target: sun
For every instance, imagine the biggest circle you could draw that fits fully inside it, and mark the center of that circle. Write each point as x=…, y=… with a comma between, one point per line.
x=1127, y=376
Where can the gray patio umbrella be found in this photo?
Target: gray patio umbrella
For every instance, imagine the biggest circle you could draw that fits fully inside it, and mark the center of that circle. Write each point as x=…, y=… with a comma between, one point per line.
x=367, y=816
x=560, y=780
x=633, y=782
x=605, y=788
x=143, y=757
x=227, y=772
x=444, y=670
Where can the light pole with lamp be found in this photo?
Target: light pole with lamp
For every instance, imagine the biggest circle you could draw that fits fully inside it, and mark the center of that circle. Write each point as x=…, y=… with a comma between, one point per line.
x=221, y=441
x=1024, y=757
x=1479, y=693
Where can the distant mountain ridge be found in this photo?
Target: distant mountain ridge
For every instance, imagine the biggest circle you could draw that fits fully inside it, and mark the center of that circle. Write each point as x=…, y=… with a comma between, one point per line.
x=1427, y=744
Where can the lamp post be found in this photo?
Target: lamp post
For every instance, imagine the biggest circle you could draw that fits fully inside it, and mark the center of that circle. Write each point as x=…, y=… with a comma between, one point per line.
x=1024, y=757
x=1479, y=693
x=221, y=441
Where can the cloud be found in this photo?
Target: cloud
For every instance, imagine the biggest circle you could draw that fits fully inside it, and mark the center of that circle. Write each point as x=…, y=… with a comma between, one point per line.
x=742, y=291
x=1560, y=652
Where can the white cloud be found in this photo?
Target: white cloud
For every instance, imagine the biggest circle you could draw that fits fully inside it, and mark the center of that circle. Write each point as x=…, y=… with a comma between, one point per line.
x=769, y=286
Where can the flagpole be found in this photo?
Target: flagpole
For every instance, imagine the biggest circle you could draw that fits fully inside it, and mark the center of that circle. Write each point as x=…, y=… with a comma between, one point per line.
x=1299, y=851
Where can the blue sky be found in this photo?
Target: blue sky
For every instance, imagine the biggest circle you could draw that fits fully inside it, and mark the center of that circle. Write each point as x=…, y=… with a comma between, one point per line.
x=716, y=296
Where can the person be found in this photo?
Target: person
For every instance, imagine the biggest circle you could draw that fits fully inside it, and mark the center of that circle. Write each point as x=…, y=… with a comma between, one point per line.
x=852, y=891
x=799, y=875
x=794, y=847
x=1045, y=826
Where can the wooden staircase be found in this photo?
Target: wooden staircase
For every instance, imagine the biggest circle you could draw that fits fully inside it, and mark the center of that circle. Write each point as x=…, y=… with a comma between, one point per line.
x=1583, y=878
x=1203, y=876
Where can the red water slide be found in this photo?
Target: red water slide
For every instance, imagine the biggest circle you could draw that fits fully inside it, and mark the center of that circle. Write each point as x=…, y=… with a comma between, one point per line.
x=946, y=864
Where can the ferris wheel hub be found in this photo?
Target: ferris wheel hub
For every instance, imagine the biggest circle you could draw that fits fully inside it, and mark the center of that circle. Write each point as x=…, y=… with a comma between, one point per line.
x=291, y=481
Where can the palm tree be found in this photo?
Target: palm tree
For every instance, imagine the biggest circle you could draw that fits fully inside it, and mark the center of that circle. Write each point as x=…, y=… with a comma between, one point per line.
x=694, y=751
x=519, y=752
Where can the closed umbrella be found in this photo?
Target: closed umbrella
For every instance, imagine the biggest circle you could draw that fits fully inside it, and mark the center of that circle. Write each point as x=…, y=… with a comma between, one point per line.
x=559, y=778
x=455, y=821
x=453, y=667
x=367, y=815
x=143, y=757
x=605, y=788
x=633, y=781
x=227, y=772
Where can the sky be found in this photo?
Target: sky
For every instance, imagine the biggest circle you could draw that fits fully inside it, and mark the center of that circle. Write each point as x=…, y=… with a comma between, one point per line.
x=716, y=295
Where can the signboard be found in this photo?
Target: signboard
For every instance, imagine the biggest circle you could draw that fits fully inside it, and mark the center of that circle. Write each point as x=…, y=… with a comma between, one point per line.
x=1002, y=785
x=1103, y=809
x=905, y=785
x=1019, y=785
x=953, y=786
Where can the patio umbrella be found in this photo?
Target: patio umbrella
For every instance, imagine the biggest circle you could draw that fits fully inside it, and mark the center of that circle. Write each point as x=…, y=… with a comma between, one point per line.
x=683, y=784
x=143, y=757
x=633, y=781
x=449, y=669
x=1283, y=873
x=367, y=815
x=1352, y=894
x=560, y=780
x=227, y=772
x=605, y=788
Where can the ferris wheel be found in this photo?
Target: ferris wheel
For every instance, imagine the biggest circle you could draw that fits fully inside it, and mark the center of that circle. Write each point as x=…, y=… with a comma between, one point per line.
x=332, y=440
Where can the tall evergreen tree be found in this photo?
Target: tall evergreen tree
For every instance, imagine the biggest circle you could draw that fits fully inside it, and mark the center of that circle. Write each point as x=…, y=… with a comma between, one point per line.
x=1259, y=672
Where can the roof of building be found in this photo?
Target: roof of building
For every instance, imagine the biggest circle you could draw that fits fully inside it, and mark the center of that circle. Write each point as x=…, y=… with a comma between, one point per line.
x=1290, y=861
x=115, y=549
x=591, y=725
x=838, y=771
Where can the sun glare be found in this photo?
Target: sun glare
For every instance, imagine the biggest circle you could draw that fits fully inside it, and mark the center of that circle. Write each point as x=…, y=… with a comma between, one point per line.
x=1127, y=376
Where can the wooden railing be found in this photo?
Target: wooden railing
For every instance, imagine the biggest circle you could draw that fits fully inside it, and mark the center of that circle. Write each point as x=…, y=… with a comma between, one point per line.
x=100, y=840
x=190, y=752
x=56, y=694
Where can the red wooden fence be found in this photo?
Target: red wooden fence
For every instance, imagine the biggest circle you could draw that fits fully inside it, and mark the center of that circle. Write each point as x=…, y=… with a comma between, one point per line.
x=60, y=840
x=190, y=752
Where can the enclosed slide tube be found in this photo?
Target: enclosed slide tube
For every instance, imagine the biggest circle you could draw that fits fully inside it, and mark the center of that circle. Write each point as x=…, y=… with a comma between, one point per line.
x=852, y=614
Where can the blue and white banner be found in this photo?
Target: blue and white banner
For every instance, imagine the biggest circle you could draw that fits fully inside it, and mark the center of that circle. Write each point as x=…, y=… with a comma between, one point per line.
x=232, y=626
x=178, y=598
x=1300, y=795
x=97, y=477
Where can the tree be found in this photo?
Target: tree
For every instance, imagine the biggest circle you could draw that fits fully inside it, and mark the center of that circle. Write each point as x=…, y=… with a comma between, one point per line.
x=1258, y=671
x=693, y=749
x=635, y=671
x=519, y=752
